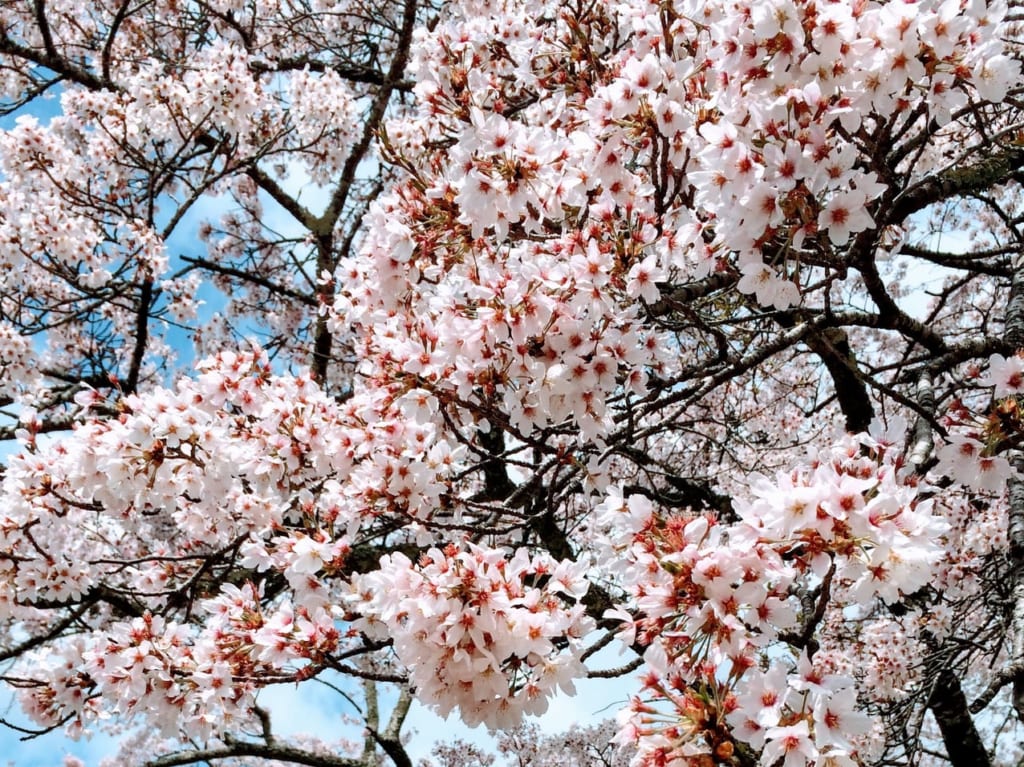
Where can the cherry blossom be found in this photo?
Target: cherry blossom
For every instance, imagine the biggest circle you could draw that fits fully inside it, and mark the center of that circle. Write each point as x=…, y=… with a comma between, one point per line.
x=438, y=352
x=474, y=634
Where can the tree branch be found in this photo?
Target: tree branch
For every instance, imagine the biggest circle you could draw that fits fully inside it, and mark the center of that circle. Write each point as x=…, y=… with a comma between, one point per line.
x=997, y=168
x=1015, y=491
x=258, y=750
x=949, y=706
x=252, y=277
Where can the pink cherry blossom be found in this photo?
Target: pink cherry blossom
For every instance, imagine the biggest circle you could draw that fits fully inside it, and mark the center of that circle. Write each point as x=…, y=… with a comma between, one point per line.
x=438, y=353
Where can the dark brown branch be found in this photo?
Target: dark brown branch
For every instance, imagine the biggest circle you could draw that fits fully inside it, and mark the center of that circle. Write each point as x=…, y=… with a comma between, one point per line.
x=373, y=120
x=323, y=227
x=497, y=485
x=44, y=27
x=355, y=74
x=832, y=346
x=992, y=261
x=258, y=750
x=750, y=360
x=891, y=314
x=673, y=297
x=372, y=718
x=54, y=63
x=32, y=642
x=256, y=279
x=122, y=604
x=949, y=706
x=279, y=195
x=47, y=426
x=373, y=676
x=115, y=24
x=141, y=334
x=815, y=606
x=998, y=168
x=615, y=673
x=31, y=733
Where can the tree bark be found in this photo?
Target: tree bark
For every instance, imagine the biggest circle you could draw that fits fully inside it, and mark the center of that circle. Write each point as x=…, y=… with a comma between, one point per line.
x=1015, y=523
x=949, y=706
x=833, y=347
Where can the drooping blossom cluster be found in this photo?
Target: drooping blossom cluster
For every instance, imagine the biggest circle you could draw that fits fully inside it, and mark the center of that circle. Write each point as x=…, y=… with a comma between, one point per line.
x=195, y=678
x=238, y=468
x=709, y=600
x=229, y=458
x=493, y=635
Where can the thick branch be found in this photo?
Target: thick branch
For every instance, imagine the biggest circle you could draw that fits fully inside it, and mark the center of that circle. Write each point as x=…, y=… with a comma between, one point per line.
x=31, y=643
x=355, y=74
x=497, y=485
x=815, y=603
x=949, y=706
x=1015, y=524
x=275, y=191
x=54, y=63
x=997, y=169
x=683, y=295
x=141, y=333
x=891, y=314
x=832, y=346
x=373, y=119
x=259, y=750
x=323, y=228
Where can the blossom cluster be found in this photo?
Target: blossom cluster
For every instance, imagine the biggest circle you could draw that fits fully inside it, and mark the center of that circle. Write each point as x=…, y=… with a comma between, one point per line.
x=974, y=451
x=174, y=677
x=709, y=600
x=797, y=714
x=547, y=202
x=493, y=635
x=158, y=507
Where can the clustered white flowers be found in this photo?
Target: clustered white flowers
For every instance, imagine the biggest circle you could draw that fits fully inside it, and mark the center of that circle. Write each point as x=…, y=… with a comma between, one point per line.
x=493, y=635
x=711, y=599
